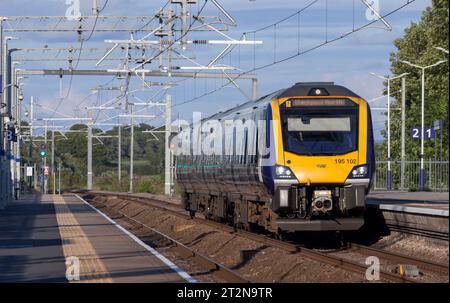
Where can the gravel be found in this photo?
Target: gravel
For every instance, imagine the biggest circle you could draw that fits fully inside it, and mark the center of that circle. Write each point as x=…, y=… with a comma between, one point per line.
x=267, y=264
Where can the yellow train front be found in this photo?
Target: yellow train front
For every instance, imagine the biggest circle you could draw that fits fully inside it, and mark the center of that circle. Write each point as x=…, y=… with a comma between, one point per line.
x=306, y=165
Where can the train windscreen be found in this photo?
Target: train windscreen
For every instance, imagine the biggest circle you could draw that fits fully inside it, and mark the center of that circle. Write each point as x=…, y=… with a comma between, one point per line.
x=320, y=131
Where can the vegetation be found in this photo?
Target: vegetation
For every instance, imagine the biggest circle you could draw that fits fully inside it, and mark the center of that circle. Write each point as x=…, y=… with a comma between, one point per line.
x=418, y=46
x=71, y=152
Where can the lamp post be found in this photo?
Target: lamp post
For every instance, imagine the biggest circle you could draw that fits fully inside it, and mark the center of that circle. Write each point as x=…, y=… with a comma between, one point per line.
x=441, y=127
x=422, y=131
x=7, y=86
x=14, y=111
x=6, y=176
x=389, y=170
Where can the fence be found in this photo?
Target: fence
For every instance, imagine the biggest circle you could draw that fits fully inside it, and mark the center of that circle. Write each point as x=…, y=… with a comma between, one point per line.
x=436, y=175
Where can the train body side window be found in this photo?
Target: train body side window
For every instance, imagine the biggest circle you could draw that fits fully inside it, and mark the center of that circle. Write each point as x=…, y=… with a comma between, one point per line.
x=245, y=147
x=228, y=135
x=240, y=141
x=268, y=126
x=252, y=138
x=262, y=131
x=235, y=145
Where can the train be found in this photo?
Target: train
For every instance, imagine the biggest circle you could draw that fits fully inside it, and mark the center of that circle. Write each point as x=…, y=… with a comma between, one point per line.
x=299, y=159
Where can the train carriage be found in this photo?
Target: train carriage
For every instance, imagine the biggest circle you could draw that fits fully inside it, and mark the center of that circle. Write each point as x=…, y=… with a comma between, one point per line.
x=299, y=159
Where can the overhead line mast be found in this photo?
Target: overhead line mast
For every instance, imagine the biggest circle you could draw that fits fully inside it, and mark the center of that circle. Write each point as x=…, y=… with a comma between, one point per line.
x=173, y=42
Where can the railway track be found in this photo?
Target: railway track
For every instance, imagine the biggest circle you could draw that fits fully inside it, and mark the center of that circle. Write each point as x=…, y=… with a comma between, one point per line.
x=328, y=258
x=442, y=236
x=401, y=258
x=185, y=251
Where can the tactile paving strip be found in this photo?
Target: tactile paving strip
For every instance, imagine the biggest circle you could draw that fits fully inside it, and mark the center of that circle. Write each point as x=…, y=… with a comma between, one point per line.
x=76, y=244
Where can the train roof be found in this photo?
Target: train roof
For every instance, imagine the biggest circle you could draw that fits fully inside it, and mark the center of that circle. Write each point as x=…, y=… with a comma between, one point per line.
x=298, y=90
x=309, y=89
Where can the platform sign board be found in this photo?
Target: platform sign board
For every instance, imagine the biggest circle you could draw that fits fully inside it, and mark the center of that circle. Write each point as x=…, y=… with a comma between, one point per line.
x=429, y=133
x=11, y=134
x=438, y=124
x=29, y=171
x=46, y=171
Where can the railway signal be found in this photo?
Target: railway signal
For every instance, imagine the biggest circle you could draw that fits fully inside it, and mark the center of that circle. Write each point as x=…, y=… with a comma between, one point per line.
x=43, y=151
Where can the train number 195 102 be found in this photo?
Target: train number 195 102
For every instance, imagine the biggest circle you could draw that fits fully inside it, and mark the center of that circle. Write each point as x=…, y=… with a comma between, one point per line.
x=345, y=161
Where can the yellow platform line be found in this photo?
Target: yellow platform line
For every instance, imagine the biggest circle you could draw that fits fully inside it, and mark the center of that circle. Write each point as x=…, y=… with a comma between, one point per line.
x=76, y=244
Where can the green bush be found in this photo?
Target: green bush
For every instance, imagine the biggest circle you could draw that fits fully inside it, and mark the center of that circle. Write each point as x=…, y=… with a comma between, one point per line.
x=108, y=181
x=150, y=184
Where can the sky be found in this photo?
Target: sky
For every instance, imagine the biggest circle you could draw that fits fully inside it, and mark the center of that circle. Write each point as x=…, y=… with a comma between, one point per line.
x=346, y=62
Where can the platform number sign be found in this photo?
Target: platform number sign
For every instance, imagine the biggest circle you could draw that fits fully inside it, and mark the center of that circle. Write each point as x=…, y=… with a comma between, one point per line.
x=11, y=134
x=429, y=133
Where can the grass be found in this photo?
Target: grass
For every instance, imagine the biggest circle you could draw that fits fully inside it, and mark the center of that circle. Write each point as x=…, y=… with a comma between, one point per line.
x=144, y=182
x=108, y=181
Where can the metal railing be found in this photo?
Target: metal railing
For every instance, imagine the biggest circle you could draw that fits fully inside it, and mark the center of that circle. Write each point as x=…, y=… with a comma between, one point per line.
x=436, y=175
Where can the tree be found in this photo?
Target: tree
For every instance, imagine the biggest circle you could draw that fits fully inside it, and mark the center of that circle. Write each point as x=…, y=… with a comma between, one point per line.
x=72, y=154
x=418, y=46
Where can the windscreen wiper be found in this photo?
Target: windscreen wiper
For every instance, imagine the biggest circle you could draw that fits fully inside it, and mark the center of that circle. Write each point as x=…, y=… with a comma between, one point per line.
x=308, y=151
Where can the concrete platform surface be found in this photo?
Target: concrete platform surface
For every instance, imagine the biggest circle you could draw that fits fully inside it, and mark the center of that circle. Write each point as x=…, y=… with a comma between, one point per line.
x=427, y=203
x=44, y=237
x=30, y=244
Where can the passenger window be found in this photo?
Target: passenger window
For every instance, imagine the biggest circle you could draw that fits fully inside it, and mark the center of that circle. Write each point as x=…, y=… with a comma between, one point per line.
x=261, y=131
x=245, y=153
x=268, y=124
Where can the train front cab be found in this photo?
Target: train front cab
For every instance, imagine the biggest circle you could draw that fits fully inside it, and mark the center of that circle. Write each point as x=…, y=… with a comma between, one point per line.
x=324, y=162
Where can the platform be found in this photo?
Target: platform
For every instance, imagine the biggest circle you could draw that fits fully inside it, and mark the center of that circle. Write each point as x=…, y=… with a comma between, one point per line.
x=421, y=213
x=426, y=203
x=43, y=237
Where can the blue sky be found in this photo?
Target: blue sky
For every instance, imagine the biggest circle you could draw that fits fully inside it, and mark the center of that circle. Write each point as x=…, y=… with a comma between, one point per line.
x=346, y=62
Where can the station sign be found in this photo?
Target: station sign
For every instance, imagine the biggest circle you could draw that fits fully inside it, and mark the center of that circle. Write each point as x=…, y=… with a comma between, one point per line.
x=46, y=171
x=29, y=171
x=438, y=124
x=429, y=133
x=11, y=134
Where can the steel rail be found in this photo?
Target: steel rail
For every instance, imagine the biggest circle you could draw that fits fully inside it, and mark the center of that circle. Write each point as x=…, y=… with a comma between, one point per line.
x=413, y=230
x=396, y=257
x=185, y=251
x=290, y=247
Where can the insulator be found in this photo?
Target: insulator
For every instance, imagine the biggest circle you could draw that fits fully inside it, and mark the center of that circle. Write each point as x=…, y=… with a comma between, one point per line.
x=166, y=42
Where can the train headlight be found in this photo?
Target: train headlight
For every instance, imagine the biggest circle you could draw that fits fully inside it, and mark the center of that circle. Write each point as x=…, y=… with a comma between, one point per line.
x=359, y=172
x=283, y=172
x=280, y=170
